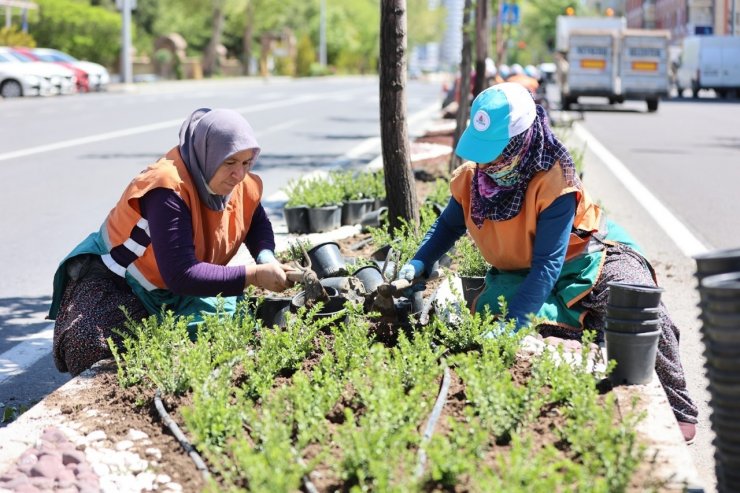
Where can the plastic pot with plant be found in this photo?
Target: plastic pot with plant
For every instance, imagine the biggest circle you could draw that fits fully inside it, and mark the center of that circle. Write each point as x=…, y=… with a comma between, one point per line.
x=471, y=267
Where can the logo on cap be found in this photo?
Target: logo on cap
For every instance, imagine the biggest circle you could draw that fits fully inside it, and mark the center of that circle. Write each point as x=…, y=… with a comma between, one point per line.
x=481, y=121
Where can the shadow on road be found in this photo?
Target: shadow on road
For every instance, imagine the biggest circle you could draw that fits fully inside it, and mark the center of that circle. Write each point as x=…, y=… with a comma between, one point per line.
x=21, y=317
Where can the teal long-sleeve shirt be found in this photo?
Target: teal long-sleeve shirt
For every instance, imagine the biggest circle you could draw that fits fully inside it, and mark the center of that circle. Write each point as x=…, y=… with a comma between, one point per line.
x=552, y=233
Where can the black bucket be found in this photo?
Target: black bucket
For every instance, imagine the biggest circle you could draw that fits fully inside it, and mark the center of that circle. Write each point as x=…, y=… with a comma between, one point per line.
x=271, y=310
x=322, y=219
x=370, y=277
x=635, y=356
x=296, y=218
x=634, y=295
x=717, y=262
x=327, y=261
x=354, y=210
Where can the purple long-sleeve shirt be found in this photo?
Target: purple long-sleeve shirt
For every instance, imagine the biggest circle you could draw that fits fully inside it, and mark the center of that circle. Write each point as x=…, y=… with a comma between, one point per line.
x=171, y=231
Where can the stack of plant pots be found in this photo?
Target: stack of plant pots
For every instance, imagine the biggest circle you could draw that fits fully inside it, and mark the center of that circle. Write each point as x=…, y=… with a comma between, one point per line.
x=718, y=273
x=632, y=332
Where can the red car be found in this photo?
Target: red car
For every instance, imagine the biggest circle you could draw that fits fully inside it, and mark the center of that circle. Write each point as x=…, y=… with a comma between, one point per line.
x=83, y=82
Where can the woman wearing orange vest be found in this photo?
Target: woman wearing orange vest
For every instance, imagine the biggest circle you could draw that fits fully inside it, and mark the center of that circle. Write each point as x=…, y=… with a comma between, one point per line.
x=552, y=251
x=167, y=242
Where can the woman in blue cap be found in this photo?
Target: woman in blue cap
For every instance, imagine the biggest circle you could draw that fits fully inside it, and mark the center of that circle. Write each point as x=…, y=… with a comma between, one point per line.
x=552, y=250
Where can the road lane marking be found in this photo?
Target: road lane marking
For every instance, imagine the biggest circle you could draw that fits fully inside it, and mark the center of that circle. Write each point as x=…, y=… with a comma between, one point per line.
x=22, y=356
x=156, y=126
x=684, y=239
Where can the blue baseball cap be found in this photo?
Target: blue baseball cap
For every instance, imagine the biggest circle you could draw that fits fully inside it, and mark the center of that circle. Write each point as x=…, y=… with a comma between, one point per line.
x=498, y=114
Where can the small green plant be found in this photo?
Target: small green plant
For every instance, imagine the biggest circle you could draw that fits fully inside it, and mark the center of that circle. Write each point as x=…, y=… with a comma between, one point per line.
x=321, y=192
x=295, y=251
x=296, y=192
x=440, y=192
x=469, y=260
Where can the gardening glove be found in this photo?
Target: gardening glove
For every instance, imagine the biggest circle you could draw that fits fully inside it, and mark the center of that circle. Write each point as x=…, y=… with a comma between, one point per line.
x=411, y=270
x=266, y=257
x=270, y=276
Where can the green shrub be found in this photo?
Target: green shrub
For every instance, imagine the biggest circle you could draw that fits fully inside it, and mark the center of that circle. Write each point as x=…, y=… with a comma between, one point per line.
x=440, y=193
x=12, y=36
x=89, y=33
x=470, y=261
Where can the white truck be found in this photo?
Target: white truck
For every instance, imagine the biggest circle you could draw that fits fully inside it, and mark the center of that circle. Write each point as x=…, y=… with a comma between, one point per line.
x=709, y=62
x=643, y=66
x=599, y=56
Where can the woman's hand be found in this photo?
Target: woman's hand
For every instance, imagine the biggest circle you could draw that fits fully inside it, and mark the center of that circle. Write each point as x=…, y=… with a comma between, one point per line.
x=270, y=276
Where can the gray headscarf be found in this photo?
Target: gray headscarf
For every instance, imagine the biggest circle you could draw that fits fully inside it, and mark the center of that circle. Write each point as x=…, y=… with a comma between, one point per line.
x=207, y=138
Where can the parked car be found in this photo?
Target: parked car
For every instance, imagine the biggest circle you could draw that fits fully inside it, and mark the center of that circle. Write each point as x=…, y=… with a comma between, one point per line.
x=83, y=84
x=62, y=79
x=98, y=76
x=19, y=79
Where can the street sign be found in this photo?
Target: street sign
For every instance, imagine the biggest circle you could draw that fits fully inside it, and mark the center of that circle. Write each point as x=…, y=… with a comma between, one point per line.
x=510, y=13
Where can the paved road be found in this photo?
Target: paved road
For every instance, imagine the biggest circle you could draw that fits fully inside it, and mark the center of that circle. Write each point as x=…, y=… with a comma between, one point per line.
x=64, y=162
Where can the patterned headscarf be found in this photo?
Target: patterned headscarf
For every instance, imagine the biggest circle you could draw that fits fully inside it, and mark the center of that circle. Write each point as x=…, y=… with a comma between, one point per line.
x=498, y=189
x=207, y=138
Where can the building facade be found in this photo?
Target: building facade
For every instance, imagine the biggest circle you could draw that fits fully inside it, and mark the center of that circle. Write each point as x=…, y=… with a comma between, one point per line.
x=683, y=17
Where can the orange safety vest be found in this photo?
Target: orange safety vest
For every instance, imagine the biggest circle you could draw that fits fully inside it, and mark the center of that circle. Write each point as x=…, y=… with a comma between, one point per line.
x=508, y=245
x=217, y=235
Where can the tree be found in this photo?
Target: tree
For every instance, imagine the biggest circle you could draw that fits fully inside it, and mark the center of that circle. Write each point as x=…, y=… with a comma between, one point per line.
x=399, y=179
x=482, y=40
x=463, y=110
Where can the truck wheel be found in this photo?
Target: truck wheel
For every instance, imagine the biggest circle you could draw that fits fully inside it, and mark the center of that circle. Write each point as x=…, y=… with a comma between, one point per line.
x=694, y=89
x=565, y=102
x=722, y=93
x=679, y=90
x=652, y=105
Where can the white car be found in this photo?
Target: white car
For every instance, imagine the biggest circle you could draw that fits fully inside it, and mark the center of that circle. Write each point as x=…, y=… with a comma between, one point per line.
x=62, y=79
x=17, y=79
x=98, y=76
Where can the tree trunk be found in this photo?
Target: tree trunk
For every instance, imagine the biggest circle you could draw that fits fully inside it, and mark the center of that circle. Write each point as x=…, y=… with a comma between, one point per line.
x=463, y=110
x=399, y=178
x=247, y=41
x=210, y=58
x=481, y=46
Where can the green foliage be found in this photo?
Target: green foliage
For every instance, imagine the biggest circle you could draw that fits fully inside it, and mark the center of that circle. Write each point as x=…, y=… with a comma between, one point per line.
x=317, y=191
x=89, y=33
x=440, y=193
x=12, y=36
x=305, y=56
x=469, y=260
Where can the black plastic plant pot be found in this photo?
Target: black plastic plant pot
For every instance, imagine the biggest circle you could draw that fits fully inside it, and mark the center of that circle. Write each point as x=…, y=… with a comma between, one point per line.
x=381, y=253
x=728, y=377
x=632, y=326
x=721, y=350
x=619, y=313
x=723, y=362
x=390, y=269
x=381, y=202
x=354, y=210
x=322, y=219
x=374, y=219
x=722, y=335
x=722, y=400
x=472, y=287
x=271, y=309
x=327, y=261
x=728, y=389
x=296, y=218
x=717, y=262
x=635, y=356
x=333, y=307
x=370, y=277
x=720, y=306
x=720, y=287
x=633, y=295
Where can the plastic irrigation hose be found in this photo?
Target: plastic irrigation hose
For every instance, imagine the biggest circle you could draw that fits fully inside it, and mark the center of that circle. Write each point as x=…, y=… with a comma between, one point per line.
x=180, y=436
x=432, y=421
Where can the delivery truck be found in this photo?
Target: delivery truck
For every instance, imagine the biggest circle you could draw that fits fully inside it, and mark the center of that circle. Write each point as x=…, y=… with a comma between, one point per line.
x=598, y=56
x=644, y=66
x=709, y=62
